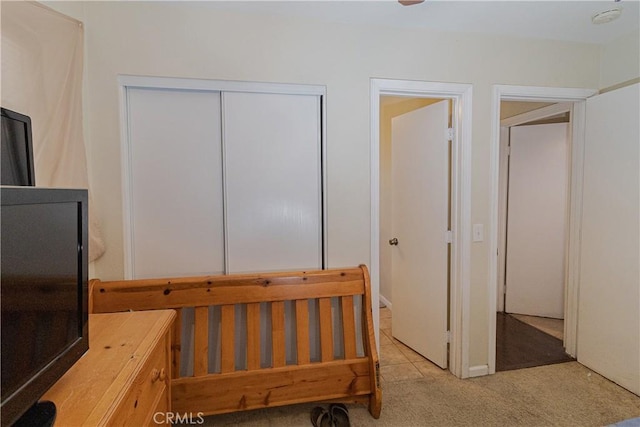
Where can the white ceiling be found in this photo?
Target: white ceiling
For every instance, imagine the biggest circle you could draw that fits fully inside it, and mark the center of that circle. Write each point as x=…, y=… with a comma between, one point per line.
x=568, y=20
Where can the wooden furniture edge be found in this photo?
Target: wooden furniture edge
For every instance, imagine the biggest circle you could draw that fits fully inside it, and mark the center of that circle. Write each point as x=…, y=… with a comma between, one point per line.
x=180, y=292
x=117, y=360
x=375, y=402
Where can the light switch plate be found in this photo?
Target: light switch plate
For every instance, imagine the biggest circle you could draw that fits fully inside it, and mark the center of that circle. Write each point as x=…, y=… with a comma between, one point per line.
x=478, y=232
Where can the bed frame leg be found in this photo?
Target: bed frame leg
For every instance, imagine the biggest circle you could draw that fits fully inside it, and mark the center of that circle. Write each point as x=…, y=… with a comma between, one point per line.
x=375, y=399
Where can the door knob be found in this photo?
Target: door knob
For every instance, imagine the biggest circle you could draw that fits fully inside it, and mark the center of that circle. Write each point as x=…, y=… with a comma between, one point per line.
x=393, y=242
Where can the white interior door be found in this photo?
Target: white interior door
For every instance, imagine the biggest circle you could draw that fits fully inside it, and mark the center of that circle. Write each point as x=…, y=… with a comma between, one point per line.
x=609, y=300
x=420, y=211
x=536, y=220
x=174, y=183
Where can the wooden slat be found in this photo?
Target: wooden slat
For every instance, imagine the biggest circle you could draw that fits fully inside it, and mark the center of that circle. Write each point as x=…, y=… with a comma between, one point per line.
x=326, y=329
x=228, y=330
x=302, y=331
x=348, y=327
x=201, y=341
x=176, y=345
x=375, y=399
x=124, y=295
x=262, y=279
x=113, y=297
x=278, y=357
x=271, y=387
x=253, y=336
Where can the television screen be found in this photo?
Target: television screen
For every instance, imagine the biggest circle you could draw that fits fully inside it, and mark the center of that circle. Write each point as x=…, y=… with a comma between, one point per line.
x=17, y=149
x=43, y=291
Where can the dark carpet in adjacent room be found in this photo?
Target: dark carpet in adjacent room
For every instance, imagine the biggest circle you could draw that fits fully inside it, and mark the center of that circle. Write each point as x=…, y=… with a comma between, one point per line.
x=519, y=345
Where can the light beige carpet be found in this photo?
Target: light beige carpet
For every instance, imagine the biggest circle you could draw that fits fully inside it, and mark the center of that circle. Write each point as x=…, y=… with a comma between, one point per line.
x=566, y=394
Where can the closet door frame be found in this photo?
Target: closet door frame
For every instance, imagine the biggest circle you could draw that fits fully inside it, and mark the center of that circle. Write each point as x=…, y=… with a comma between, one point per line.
x=126, y=82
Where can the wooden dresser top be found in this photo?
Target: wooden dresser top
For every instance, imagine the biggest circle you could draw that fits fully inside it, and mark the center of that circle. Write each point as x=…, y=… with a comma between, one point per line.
x=119, y=343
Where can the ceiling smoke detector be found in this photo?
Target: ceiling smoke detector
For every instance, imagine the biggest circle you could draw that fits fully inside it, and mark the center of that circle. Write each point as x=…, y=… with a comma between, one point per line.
x=606, y=16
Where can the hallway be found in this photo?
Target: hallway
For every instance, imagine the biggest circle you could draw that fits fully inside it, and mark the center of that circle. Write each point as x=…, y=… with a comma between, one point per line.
x=521, y=345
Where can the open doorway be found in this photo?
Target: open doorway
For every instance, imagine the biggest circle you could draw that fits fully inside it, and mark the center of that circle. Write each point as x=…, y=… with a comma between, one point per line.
x=454, y=307
x=578, y=100
x=535, y=140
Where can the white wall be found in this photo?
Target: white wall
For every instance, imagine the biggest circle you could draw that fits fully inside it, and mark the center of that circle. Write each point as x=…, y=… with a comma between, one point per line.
x=193, y=39
x=74, y=9
x=620, y=60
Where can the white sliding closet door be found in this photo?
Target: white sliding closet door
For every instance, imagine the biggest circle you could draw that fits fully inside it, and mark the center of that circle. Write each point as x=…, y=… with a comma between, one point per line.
x=175, y=210
x=273, y=182
x=180, y=218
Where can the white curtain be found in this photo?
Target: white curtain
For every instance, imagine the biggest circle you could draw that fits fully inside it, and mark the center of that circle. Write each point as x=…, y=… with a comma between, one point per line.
x=42, y=60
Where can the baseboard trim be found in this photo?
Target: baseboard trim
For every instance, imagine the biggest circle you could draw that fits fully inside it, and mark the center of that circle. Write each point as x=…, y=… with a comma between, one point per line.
x=385, y=302
x=478, y=371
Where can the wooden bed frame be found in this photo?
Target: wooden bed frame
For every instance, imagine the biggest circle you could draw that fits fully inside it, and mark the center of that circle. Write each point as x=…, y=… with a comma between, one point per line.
x=349, y=378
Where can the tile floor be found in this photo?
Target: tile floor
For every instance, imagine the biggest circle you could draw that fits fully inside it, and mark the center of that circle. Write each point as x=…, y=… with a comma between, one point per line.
x=397, y=361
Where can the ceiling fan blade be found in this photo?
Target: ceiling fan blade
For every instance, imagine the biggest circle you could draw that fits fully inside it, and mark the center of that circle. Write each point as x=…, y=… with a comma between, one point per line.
x=410, y=2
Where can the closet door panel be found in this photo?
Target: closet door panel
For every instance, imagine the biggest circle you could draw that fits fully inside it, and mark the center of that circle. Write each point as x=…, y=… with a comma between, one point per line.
x=174, y=183
x=273, y=185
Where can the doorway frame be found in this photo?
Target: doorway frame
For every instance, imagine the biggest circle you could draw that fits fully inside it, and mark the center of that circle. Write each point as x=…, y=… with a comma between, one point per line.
x=541, y=94
x=459, y=310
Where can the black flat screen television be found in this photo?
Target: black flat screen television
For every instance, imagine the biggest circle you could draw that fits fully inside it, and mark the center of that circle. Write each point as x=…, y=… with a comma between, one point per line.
x=44, y=315
x=17, y=149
